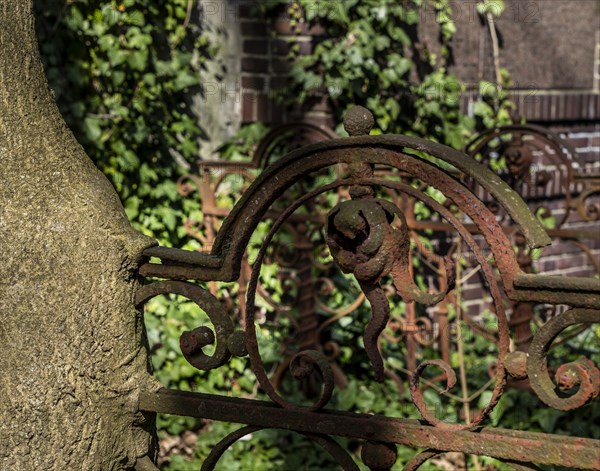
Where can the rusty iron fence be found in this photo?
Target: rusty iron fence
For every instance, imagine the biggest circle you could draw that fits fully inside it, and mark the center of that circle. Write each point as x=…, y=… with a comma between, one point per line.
x=545, y=171
x=388, y=191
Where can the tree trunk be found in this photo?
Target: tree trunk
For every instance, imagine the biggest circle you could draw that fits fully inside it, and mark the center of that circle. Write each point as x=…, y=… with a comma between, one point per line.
x=72, y=348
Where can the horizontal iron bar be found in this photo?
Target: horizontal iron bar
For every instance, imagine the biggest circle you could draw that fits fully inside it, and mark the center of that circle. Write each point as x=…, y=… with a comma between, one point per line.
x=188, y=257
x=540, y=448
x=557, y=282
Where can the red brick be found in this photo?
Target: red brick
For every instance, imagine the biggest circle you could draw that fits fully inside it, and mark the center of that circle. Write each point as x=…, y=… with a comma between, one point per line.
x=253, y=82
x=281, y=46
x=306, y=47
x=284, y=27
x=280, y=65
x=250, y=64
x=318, y=103
x=578, y=142
x=248, y=102
x=472, y=293
x=279, y=82
x=262, y=107
x=313, y=30
x=570, y=261
x=548, y=266
x=248, y=9
x=278, y=114
x=255, y=46
x=320, y=119
x=254, y=28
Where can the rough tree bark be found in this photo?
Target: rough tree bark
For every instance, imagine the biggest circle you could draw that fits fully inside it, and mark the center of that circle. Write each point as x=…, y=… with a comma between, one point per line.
x=72, y=354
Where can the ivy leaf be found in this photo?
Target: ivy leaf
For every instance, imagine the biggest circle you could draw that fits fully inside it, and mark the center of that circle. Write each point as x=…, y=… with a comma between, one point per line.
x=547, y=418
x=117, y=57
x=136, y=18
x=137, y=59
x=92, y=128
x=132, y=205
x=494, y=7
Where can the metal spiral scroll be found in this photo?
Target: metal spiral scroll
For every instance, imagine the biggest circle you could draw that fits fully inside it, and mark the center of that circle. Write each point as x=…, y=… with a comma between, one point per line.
x=503, y=332
x=226, y=341
x=589, y=211
x=305, y=362
x=582, y=374
x=518, y=144
x=364, y=243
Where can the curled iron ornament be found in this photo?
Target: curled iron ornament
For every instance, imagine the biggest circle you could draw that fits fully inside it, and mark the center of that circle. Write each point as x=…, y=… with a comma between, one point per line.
x=363, y=242
x=589, y=211
x=525, y=172
x=582, y=373
x=503, y=334
x=380, y=314
x=304, y=362
x=192, y=342
x=477, y=212
x=416, y=462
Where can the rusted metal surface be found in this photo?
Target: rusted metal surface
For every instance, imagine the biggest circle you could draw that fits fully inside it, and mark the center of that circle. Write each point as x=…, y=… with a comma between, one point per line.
x=222, y=334
x=582, y=374
x=539, y=166
x=427, y=455
x=582, y=453
x=375, y=239
x=232, y=239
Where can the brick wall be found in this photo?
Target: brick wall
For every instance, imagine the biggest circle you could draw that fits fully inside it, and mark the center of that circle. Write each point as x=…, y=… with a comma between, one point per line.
x=265, y=67
x=566, y=258
x=584, y=138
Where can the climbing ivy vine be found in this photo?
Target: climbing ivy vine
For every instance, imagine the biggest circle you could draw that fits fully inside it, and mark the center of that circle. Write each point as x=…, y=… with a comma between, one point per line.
x=123, y=73
x=372, y=56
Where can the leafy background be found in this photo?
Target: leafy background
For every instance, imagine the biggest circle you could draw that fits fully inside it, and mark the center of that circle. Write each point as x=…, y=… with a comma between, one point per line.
x=124, y=74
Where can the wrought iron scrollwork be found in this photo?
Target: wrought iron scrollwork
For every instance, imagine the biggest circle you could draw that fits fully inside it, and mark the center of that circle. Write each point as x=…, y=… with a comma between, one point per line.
x=222, y=335
x=581, y=374
x=369, y=237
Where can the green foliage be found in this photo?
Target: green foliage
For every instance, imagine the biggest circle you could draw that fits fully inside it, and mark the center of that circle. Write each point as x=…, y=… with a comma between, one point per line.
x=370, y=57
x=491, y=7
x=123, y=73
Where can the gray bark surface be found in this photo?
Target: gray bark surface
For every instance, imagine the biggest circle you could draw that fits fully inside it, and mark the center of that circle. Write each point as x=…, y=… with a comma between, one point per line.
x=72, y=348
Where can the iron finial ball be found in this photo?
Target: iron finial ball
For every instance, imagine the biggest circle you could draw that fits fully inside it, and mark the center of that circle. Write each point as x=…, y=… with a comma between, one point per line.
x=358, y=121
x=379, y=456
x=516, y=365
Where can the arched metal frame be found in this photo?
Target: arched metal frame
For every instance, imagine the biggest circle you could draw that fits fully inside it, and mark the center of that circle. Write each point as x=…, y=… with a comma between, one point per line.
x=540, y=166
x=368, y=238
